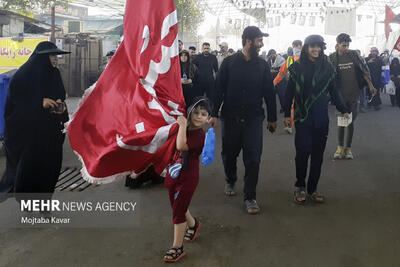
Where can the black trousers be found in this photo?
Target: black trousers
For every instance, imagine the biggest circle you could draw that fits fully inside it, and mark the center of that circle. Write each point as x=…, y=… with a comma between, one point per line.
x=207, y=88
x=309, y=142
x=393, y=100
x=280, y=90
x=8, y=179
x=376, y=100
x=246, y=135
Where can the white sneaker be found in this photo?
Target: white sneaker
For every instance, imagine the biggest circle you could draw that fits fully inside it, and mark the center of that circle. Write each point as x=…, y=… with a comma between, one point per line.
x=288, y=130
x=348, y=154
x=339, y=153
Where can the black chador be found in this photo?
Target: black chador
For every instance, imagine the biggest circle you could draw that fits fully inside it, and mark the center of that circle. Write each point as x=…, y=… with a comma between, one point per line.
x=33, y=136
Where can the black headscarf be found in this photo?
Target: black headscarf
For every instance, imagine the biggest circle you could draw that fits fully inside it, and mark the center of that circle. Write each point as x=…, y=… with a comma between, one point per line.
x=187, y=67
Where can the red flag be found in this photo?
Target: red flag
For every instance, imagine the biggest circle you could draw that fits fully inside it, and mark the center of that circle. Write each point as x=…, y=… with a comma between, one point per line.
x=127, y=121
x=397, y=45
x=389, y=17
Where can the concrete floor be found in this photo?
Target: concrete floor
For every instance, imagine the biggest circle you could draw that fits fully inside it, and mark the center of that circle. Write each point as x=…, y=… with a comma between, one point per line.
x=358, y=226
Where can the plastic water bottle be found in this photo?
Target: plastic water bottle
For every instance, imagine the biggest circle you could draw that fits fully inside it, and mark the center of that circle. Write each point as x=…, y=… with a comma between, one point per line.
x=207, y=155
x=184, y=76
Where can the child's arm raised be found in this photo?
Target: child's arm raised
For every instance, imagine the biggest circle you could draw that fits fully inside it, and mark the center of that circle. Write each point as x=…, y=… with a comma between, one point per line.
x=181, y=144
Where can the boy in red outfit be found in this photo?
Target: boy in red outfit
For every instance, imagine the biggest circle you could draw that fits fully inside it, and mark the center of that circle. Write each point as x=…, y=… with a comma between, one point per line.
x=190, y=142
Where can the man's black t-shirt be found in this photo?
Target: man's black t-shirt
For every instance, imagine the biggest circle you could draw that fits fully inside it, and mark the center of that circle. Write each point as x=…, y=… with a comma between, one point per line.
x=206, y=66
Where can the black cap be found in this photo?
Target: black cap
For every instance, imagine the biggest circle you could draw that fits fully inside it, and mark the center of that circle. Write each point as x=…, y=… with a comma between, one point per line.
x=195, y=102
x=47, y=47
x=315, y=39
x=253, y=32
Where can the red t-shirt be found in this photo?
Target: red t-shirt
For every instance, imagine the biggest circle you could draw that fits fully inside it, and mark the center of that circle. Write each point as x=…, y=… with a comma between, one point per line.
x=189, y=177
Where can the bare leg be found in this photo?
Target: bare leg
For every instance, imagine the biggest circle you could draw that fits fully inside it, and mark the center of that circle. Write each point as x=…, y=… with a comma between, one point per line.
x=179, y=233
x=189, y=219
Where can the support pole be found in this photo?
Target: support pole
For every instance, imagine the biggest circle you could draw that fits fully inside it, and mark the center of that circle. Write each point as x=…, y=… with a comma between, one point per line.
x=53, y=23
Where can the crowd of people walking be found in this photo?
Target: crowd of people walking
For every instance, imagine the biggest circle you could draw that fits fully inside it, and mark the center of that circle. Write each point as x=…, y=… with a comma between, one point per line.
x=226, y=86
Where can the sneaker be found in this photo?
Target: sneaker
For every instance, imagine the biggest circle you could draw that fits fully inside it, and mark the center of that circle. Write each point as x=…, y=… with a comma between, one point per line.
x=339, y=153
x=288, y=130
x=362, y=110
x=348, y=154
x=229, y=189
x=251, y=206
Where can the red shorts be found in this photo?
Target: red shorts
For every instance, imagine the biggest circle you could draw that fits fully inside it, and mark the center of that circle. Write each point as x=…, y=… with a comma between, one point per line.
x=180, y=191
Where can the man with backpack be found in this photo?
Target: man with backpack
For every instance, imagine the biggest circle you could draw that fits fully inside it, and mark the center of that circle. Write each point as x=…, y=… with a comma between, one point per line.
x=352, y=74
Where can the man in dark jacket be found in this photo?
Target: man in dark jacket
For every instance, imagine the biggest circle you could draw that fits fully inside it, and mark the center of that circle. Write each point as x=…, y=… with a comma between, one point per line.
x=243, y=82
x=351, y=74
x=375, y=64
x=207, y=66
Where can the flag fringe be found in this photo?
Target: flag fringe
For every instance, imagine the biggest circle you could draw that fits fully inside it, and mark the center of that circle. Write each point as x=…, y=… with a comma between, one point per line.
x=98, y=180
x=109, y=179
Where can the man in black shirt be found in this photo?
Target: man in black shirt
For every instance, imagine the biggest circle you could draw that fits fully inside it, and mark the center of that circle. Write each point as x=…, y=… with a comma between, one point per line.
x=375, y=64
x=207, y=65
x=352, y=74
x=243, y=81
x=192, y=52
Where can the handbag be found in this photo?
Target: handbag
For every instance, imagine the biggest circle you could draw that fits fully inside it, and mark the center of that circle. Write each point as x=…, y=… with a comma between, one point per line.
x=391, y=88
x=175, y=167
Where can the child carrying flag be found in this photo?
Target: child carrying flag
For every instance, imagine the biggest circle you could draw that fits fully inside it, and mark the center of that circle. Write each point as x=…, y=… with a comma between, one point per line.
x=190, y=142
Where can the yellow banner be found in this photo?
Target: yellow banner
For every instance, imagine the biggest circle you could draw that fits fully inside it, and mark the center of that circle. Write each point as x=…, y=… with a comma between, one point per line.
x=14, y=54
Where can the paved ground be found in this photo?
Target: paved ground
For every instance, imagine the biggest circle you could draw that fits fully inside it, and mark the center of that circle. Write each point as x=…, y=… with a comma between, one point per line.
x=358, y=226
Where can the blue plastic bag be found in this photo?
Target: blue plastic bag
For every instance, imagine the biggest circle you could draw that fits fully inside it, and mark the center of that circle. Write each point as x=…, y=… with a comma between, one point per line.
x=207, y=155
x=385, y=74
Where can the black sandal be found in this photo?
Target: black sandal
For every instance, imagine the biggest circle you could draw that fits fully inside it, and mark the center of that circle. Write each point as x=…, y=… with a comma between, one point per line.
x=191, y=237
x=175, y=253
x=300, y=193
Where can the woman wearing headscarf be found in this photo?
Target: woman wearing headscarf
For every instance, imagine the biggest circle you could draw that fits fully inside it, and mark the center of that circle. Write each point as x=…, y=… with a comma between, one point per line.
x=188, y=77
x=395, y=77
x=34, y=116
x=311, y=79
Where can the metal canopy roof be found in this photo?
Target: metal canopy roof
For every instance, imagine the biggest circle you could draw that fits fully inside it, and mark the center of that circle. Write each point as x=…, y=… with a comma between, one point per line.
x=256, y=8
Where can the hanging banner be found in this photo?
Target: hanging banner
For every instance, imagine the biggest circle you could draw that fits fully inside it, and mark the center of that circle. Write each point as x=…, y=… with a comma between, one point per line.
x=339, y=20
x=14, y=54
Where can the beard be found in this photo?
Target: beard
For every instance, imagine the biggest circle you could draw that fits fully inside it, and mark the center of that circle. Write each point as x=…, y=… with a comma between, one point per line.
x=253, y=51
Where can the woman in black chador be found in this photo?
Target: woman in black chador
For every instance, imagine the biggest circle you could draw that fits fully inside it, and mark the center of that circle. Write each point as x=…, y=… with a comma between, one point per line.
x=188, y=77
x=34, y=116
